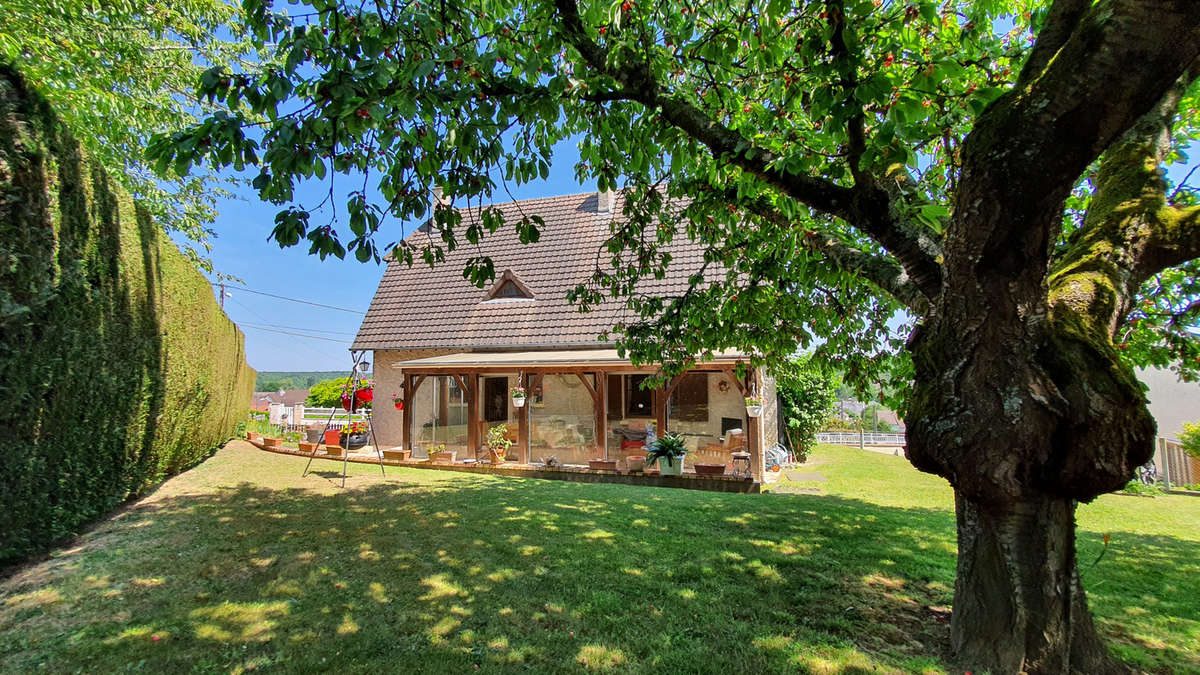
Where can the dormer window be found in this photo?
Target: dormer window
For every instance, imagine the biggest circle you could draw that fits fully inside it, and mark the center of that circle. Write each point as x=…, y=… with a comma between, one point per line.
x=508, y=287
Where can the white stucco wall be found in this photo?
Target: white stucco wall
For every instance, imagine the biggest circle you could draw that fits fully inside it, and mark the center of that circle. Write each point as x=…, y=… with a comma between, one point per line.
x=1171, y=402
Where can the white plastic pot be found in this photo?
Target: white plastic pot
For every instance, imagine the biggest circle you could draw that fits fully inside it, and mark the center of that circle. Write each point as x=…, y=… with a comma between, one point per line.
x=518, y=401
x=754, y=410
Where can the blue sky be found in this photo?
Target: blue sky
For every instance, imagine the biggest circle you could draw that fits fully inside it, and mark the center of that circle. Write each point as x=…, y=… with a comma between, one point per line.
x=241, y=248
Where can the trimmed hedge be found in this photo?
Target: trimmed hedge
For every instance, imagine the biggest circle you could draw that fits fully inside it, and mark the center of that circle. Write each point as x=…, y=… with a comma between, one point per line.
x=117, y=368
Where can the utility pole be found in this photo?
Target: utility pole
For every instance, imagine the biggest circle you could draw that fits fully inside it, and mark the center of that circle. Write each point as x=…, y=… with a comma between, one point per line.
x=222, y=296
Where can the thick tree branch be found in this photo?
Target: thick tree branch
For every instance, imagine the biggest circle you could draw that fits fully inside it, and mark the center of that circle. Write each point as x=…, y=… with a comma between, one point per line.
x=1130, y=232
x=866, y=206
x=1124, y=53
x=882, y=271
x=1061, y=21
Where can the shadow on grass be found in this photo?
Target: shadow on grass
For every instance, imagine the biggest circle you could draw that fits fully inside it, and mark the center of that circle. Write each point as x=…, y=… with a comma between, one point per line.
x=442, y=575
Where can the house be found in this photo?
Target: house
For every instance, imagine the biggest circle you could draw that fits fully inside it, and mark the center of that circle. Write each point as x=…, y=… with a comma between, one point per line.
x=454, y=352
x=262, y=400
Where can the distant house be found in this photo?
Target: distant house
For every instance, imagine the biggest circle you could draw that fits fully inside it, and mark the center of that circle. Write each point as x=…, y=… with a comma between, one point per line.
x=454, y=352
x=262, y=400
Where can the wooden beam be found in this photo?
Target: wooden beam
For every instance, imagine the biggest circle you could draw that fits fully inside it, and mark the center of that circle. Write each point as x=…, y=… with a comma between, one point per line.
x=674, y=383
x=602, y=413
x=523, y=420
x=732, y=373
x=410, y=394
x=583, y=378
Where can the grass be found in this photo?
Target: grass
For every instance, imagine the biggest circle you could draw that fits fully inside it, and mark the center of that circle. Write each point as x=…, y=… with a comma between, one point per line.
x=241, y=564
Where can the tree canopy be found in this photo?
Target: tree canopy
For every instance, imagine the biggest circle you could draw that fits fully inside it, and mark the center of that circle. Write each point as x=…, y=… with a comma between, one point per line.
x=991, y=174
x=116, y=72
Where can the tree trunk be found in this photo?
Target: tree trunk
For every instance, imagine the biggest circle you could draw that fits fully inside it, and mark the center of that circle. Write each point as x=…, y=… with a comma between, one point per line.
x=1019, y=606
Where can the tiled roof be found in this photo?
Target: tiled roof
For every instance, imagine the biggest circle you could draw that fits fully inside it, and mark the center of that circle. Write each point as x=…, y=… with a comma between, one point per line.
x=418, y=307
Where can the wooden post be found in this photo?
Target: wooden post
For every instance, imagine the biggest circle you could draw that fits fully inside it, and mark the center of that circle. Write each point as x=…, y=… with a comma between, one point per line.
x=754, y=433
x=406, y=416
x=523, y=420
x=602, y=413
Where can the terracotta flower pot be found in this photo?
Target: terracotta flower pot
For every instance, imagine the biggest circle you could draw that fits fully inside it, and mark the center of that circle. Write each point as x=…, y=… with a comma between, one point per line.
x=445, y=457
x=305, y=446
x=272, y=442
x=602, y=464
x=253, y=435
x=498, y=457
x=398, y=455
x=636, y=463
x=333, y=451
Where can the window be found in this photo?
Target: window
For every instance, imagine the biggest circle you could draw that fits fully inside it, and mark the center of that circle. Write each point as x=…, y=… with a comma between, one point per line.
x=508, y=290
x=690, y=398
x=638, y=402
x=508, y=287
x=495, y=399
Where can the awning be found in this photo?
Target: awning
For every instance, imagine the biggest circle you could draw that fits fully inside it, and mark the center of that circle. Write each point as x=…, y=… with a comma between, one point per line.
x=538, y=359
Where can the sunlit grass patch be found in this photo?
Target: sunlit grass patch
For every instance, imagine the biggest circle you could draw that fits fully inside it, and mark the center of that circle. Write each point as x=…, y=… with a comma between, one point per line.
x=546, y=576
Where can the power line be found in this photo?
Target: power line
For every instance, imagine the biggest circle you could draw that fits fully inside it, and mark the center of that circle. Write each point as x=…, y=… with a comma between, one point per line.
x=303, y=302
x=314, y=350
x=310, y=330
x=310, y=337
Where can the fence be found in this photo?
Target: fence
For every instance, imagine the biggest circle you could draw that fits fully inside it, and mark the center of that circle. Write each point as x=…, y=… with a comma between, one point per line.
x=1175, y=467
x=856, y=438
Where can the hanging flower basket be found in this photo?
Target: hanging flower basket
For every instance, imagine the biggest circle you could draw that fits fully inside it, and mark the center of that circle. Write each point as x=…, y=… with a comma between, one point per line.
x=364, y=395
x=518, y=397
x=399, y=405
x=398, y=401
x=754, y=406
x=347, y=401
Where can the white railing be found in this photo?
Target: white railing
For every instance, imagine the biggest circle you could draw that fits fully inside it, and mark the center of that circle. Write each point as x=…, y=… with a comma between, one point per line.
x=340, y=416
x=855, y=438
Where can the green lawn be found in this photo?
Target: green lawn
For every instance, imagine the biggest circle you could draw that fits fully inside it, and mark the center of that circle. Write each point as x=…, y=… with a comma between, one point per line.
x=241, y=564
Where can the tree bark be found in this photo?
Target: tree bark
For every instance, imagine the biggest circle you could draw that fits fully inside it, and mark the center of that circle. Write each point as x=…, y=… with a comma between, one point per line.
x=1019, y=606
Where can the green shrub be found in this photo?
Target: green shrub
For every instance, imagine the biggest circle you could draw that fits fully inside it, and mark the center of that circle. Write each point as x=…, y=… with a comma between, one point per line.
x=806, y=397
x=117, y=368
x=1190, y=439
x=1136, y=487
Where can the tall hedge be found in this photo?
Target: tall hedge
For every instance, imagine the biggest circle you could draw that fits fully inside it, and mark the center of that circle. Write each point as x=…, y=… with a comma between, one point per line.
x=117, y=368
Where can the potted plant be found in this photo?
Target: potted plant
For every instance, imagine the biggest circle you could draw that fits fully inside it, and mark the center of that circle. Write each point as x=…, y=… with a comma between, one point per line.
x=669, y=451
x=518, y=397
x=754, y=406
x=709, y=469
x=354, y=435
x=364, y=391
x=498, y=443
x=398, y=401
x=439, y=453
x=636, y=463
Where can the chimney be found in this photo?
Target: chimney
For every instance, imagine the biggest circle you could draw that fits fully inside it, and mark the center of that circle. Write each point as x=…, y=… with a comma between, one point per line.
x=438, y=198
x=605, y=201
